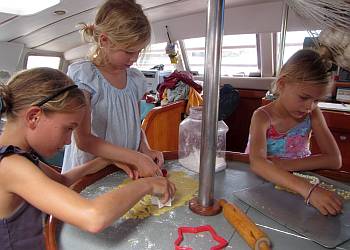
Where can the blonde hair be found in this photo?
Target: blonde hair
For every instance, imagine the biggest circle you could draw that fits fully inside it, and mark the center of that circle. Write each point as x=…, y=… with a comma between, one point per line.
x=306, y=66
x=124, y=23
x=29, y=87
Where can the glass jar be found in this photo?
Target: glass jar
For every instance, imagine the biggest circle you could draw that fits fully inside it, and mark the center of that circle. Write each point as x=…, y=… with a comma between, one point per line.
x=190, y=141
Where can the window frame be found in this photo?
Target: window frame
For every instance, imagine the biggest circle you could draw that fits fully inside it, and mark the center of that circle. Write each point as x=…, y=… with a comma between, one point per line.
x=230, y=47
x=47, y=54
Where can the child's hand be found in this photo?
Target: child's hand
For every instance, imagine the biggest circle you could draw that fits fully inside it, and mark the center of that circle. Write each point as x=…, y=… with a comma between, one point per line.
x=129, y=170
x=147, y=167
x=162, y=188
x=157, y=157
x=325, y=201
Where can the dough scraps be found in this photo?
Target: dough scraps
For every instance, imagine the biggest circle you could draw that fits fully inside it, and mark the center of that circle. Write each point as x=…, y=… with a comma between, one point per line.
x=186, y=188
x=313, y=179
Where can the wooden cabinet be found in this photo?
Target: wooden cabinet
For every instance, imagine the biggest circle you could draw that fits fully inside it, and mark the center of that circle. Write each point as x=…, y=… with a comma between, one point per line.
x=239, y=121
x=339, y=124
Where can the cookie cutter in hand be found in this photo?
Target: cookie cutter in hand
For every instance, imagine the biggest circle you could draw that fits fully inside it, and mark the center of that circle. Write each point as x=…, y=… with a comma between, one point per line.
x=156, y=201
x=164, y=172
x=194, y=230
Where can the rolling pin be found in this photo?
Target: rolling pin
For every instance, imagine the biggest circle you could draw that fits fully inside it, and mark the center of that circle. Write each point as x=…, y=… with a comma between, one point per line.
x=247, y=229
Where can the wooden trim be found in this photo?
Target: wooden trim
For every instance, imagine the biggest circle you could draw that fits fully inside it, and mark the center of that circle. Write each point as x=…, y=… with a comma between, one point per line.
x=338, y=175
x=52, y=222
x=161, y=126
x=249, y=93
x=155, y=111
x=237, y=156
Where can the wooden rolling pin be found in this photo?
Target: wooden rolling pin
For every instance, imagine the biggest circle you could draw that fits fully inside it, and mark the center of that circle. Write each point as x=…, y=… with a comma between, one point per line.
x=247, y=229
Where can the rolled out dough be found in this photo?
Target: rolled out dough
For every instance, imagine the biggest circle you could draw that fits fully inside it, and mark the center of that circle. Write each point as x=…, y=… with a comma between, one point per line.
x=186, y=188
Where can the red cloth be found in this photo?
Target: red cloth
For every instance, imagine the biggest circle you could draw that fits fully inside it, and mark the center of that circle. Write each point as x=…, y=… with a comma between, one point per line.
x=171, y=81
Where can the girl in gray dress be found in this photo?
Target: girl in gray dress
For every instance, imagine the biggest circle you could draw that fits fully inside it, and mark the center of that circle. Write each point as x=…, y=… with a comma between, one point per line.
x=112, y=126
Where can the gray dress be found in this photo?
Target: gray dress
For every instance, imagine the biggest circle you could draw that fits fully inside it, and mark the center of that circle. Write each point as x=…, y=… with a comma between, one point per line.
x=23, y=229
x=115, y=114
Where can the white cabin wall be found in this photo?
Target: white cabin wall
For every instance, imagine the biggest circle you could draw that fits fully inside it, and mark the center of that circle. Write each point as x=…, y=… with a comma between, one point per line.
x=259, y=18
x=11, y=54
x=266, y=54
x=264, y=19
x=77, y=53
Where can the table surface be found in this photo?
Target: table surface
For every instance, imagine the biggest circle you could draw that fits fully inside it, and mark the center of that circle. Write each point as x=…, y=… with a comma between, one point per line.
x=160, y=232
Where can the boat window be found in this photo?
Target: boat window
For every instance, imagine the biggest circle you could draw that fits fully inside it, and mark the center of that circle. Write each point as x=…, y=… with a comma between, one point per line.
x=154, y=55
x=34, y=61
x=294, y=41
x=239, y=54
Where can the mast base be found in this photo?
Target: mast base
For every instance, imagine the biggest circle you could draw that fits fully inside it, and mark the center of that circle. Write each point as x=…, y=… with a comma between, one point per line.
x=197, y=208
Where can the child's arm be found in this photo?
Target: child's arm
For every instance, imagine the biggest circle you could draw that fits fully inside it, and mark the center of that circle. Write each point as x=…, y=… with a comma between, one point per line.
x=259, y=162
x=75, y=173
x=99, y=147
x=325, y=201
x=87, y=168
x=329, y=158
x=21, y=177
x=156, y=156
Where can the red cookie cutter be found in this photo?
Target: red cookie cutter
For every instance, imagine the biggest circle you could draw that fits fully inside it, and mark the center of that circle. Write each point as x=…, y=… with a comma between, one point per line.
x=194, y=230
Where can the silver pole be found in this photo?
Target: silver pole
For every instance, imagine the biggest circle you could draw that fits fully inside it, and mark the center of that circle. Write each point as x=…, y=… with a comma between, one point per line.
x=215, y=26
x=283, y=36
x=184, y=55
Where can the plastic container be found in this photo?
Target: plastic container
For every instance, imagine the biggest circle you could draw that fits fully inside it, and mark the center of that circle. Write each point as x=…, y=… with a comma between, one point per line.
x=190, y=141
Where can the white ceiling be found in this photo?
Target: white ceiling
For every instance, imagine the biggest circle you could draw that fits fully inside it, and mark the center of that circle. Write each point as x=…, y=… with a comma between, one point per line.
x=48, y=31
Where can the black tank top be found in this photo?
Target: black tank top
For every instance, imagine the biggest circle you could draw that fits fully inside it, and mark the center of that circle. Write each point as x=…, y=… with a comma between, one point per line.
x=23, y=230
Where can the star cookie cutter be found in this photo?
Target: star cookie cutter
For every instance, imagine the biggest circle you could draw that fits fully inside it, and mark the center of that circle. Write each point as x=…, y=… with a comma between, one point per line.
x=194, y=230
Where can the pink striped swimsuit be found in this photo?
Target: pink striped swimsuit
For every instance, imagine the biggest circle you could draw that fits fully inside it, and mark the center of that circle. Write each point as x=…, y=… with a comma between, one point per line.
x=292, y=144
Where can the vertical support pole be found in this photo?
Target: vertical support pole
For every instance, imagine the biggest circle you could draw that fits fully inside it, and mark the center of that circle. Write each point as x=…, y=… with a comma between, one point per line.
x=184, y=55
x=205, y=204
x=282, y=36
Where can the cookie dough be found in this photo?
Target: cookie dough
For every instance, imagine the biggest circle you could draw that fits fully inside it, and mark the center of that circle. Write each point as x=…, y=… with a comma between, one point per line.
x=186, y=188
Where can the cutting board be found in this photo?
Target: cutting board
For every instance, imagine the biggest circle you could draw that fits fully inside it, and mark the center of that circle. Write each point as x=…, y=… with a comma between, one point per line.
x=291, y=211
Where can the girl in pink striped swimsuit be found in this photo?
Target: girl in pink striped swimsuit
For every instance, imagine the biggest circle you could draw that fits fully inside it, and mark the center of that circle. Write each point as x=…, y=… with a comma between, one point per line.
x=280, y=131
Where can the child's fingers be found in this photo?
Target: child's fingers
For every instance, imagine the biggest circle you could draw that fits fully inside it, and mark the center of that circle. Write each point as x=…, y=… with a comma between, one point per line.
x=328, y=206
x=336, y=205
x=160, y=159
x=165, y=198
x=172, y=189
x=131, y=175
x=331, y=210
x=135, y=174
x=323, y=210
x=158, y=172
x=127, y=169
x=338, y=201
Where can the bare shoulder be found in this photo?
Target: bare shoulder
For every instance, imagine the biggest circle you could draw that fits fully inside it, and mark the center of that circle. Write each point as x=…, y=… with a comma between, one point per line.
x=317, y=116
x=16, y=167
x=261, y=115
